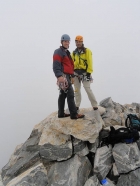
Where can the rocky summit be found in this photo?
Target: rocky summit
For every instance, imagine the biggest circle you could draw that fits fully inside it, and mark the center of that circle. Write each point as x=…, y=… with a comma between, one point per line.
x=65, y=152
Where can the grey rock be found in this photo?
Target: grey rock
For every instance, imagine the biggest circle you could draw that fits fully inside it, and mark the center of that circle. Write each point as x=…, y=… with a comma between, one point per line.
x=20, y=166
x=107, y=122
x=107, y=103
x=123, y=118
x=47, y=164
x=36, y=176
x=137, y=106
x=118, y=108
x=129, y=109
x=1, y=183
x=73, y=172
x=53, y=152
x=110, y=183
x=138, y=143
x=102, y=110
x=116, y=120
x=92, y=181
x=103, y=161
x=111, y=118
x=93, y=116
x=93, y=146
x=109, y=114
x=115, y=170
x=113, y=111
x=127, y=157
x=91, y=157
x=80, y=147
x=131, y=179
x=12, y=160
x=113, y=174
x=24, y=156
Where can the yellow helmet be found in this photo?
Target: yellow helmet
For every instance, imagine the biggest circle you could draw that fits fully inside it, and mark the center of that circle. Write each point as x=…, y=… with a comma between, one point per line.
x=79, y=38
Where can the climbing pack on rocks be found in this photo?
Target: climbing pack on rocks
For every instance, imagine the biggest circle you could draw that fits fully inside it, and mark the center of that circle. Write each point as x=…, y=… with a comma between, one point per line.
x=132, y=121
x=121, y=135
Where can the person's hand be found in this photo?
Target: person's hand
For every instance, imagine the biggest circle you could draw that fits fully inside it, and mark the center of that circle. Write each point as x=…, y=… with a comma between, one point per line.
x=72, y=80
x=61, y=79
x=88, y=76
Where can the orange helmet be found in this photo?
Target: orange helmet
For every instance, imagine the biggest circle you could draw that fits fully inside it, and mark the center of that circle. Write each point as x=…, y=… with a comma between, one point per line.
x=79, y=38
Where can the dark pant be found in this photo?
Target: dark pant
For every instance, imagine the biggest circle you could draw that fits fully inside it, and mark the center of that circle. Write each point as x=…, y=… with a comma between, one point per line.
x=70, y=100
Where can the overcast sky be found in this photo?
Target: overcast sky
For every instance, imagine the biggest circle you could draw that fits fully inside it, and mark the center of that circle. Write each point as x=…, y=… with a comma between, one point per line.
x=30, y=31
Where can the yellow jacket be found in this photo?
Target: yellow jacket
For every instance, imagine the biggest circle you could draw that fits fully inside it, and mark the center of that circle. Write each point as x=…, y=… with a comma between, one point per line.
x=83, y=61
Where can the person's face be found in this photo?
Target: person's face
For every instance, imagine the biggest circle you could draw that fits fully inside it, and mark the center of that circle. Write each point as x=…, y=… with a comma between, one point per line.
x=66, y=44
x=79, y=44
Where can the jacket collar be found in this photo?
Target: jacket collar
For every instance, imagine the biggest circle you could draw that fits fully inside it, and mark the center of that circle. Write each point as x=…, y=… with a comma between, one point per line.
x=66, y=50
x=81, y=51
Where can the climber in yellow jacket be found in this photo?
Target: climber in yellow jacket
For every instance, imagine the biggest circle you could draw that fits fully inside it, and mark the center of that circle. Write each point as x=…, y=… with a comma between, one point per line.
x=83, y=67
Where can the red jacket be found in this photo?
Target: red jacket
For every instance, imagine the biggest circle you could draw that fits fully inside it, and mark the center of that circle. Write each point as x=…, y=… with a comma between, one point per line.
x=62, y=62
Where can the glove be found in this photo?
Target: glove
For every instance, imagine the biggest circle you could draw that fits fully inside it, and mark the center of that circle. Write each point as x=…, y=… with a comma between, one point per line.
x=61, y=79
x=88, y=76
x=62, y=83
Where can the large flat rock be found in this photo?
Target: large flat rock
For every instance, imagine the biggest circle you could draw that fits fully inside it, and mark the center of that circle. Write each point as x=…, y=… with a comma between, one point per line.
x=86, y=129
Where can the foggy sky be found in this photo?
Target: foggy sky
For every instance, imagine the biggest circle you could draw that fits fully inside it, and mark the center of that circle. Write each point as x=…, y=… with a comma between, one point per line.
x=30, y=31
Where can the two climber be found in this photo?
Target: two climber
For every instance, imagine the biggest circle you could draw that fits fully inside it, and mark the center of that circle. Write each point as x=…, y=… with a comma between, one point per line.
x=68, y=67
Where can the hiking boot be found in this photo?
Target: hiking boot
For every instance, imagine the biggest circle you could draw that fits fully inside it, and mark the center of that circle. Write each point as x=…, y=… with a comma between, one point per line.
x=95, y=108
x=78, y=116
x=64, y=116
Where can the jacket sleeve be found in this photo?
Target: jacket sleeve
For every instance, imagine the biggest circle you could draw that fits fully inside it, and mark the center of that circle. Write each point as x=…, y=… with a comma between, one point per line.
x=57, y=64
x=89, y=61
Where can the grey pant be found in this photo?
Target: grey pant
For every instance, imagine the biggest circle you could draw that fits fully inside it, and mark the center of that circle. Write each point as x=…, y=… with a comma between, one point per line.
x=86, y=85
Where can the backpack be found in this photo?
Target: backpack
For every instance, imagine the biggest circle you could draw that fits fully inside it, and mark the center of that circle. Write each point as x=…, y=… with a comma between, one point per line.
x=132, y=121
x=114, y=136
